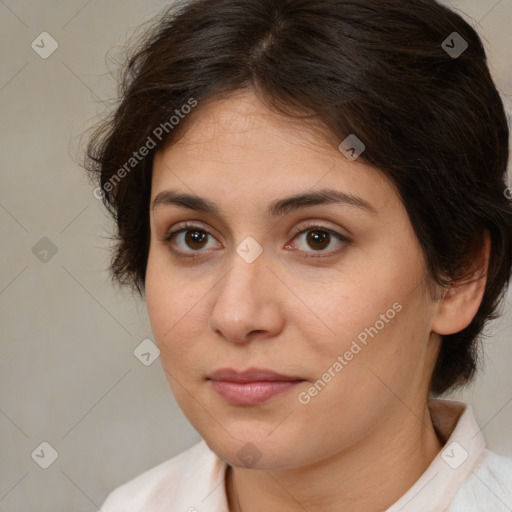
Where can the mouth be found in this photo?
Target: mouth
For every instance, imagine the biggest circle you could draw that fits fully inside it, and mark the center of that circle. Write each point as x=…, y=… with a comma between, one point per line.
x=252, y=386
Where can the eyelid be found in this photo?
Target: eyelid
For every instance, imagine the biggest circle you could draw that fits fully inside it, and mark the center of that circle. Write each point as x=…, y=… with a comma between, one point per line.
x=185, y=226
x=303, y=228
x=320, y=225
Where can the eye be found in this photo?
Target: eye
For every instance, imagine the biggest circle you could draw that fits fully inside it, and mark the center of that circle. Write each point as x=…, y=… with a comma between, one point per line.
x=191, y=236
x=191, y=239
x=319, y=238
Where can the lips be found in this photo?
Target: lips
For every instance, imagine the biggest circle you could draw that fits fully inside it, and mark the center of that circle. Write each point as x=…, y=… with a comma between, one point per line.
x=252, y=386
x=250, y=375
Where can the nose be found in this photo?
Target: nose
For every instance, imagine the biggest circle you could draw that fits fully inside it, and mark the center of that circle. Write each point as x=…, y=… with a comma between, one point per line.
x=247, y=304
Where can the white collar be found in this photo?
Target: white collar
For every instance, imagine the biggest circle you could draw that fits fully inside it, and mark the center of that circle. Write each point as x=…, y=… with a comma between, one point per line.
x=432, y=492
x=464, y=444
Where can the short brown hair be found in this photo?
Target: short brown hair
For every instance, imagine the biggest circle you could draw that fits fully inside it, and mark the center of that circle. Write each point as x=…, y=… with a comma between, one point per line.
x=431, y=120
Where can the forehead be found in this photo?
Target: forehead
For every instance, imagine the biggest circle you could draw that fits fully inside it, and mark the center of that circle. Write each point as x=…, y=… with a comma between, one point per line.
x=237, y=143
x=243, y=119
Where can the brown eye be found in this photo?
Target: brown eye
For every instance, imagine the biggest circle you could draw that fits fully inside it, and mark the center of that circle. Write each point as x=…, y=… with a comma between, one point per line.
x=188, y=240
x=318, y=240
x=195, y=239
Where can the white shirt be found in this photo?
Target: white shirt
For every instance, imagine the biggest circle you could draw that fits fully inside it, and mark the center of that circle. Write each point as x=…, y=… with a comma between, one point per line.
x=464, y=476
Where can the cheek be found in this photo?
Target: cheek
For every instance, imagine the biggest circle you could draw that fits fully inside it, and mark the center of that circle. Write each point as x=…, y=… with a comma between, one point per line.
x=168, y=300
x=375, y=323
x=350, y=306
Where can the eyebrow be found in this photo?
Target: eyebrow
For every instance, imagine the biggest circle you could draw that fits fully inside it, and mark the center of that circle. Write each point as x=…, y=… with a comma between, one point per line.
x=275, y=209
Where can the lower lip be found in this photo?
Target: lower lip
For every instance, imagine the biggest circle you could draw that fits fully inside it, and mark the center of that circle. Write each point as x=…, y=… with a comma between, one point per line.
x=250, y=393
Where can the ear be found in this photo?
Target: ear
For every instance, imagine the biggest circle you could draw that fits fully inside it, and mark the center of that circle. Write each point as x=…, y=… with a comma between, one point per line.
x=461, y=302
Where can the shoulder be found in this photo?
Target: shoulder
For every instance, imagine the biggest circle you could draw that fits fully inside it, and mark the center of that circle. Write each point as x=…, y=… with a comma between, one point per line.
x=488, y=488
x=167, y=483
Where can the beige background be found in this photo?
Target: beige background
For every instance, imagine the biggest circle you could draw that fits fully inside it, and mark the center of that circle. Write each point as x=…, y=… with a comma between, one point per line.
x=68, y=375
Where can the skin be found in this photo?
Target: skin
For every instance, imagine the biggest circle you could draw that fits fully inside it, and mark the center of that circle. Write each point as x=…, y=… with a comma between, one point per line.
x=367, y=436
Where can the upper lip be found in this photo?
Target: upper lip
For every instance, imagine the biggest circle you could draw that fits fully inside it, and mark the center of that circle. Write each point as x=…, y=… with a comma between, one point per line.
x=250, y=375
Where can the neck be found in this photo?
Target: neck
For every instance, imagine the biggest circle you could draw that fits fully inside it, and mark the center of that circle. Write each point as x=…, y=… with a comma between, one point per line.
x=367, y=477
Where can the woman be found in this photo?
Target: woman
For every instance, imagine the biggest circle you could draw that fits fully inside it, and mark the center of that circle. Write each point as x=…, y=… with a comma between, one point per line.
x=311, y=198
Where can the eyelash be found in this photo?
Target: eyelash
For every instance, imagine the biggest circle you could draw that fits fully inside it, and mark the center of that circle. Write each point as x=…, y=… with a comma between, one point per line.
x=309, y=227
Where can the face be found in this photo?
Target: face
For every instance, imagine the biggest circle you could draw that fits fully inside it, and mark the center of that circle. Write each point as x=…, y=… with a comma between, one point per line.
x=329, y=295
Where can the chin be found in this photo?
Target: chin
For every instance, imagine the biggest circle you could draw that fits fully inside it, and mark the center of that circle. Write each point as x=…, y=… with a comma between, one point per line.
x=255, y=452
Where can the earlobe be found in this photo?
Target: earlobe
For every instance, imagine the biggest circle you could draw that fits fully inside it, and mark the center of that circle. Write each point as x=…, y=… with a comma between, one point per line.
x=460, y=302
